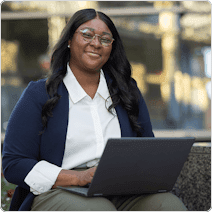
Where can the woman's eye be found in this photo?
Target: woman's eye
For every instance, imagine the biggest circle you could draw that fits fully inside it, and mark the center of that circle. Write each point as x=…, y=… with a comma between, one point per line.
x=105, y=40
x=87, y=35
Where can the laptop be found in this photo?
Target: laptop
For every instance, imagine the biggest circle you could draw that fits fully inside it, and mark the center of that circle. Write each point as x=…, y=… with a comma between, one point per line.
x=131, y=166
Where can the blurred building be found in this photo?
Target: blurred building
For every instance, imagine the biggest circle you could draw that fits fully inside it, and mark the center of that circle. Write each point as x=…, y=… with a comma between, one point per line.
x=167, y=43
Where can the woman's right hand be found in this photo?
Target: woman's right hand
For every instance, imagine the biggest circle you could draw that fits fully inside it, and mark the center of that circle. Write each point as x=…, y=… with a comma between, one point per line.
x=85, y=177
x=74, y=178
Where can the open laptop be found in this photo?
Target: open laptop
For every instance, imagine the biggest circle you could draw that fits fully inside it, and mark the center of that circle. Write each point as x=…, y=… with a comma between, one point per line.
x=137, y=166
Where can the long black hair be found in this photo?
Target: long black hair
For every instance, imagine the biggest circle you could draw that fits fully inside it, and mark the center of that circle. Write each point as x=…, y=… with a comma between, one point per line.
x=122, y=88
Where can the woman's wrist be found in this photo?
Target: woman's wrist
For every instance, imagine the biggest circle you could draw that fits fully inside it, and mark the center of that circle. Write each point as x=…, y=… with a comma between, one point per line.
x=66, y=178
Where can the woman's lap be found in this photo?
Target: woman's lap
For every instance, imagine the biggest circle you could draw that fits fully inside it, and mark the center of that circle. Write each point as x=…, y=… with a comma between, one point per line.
x=60, y=200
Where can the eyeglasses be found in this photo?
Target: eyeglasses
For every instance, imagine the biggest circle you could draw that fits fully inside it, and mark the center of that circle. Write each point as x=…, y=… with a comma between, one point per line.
x=88, y=35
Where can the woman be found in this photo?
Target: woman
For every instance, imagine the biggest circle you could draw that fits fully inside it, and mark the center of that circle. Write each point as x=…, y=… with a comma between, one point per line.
x=59, y=127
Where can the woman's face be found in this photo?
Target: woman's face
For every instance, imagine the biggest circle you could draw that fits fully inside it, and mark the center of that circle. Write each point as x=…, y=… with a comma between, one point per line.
x=90, y=55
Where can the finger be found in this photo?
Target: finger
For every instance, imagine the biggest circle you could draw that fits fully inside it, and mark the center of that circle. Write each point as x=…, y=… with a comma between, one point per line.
x=94, y=169
x=93, y=172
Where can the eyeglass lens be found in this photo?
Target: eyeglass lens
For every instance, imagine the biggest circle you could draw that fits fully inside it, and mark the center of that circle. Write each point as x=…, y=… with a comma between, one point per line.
x=89, y=35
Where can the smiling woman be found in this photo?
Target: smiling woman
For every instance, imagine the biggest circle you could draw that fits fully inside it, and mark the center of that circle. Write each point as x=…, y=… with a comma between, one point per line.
x=58, y=130
x=88, y=55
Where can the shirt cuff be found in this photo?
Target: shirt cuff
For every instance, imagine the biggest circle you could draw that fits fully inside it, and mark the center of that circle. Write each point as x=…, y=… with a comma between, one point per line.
x=42, y=177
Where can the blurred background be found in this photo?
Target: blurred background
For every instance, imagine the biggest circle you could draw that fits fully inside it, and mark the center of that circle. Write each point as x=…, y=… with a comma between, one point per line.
x=168, y=44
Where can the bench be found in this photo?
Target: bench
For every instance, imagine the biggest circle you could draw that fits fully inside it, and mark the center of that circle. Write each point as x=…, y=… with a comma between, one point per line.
x=193, y=185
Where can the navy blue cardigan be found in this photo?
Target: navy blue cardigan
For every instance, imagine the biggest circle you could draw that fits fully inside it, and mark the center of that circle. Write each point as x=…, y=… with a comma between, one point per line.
x=24, y=147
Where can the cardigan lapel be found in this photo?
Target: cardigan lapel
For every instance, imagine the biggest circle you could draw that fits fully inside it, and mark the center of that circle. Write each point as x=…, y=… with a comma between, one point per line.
x=54, y=137
x=126, y=130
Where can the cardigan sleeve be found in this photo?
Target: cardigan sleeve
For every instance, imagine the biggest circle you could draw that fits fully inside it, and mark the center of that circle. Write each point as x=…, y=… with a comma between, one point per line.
x=21, y=144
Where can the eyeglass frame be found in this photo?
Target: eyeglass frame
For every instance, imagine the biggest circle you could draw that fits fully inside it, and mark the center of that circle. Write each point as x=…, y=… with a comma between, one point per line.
x=80, y=31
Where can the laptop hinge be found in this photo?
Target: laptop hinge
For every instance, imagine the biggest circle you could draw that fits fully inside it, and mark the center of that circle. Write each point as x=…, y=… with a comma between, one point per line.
x=97, y=194
x=162, y=190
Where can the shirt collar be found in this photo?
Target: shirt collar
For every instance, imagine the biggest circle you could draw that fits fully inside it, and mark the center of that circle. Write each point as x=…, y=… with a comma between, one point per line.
x=102, y=88
x=77, y=93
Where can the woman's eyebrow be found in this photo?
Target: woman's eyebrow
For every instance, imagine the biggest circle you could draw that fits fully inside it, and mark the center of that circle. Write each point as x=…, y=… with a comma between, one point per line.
x=89, y=28
x=107, y=33
x=104, y=33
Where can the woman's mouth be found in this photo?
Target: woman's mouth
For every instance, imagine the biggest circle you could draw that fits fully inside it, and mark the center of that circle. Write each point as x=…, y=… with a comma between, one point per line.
x=93, y=54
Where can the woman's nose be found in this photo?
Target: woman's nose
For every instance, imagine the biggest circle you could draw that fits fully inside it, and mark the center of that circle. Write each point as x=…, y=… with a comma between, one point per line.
x=95, y=41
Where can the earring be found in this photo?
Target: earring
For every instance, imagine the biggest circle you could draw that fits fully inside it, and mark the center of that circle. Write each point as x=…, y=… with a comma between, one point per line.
x=69, y=46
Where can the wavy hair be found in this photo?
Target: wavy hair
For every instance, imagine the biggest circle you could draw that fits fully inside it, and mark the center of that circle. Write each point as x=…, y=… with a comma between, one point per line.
x=122, y=88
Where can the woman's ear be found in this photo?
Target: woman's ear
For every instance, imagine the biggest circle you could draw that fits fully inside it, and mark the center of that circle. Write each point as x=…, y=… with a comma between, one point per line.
x=69, y=43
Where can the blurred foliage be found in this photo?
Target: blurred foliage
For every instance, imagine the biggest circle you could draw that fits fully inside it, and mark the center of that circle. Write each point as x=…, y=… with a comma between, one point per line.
x=7, y=190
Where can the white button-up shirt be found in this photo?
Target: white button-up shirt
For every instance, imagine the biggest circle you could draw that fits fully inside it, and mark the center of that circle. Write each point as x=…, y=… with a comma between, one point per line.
x=90, y=126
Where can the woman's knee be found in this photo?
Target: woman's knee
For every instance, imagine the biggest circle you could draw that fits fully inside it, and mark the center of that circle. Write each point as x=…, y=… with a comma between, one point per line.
x=170, y=202
x=159, y=202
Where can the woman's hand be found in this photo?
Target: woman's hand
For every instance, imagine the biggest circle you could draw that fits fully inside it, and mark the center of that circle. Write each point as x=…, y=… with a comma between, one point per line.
x=85, y=177
x=74, y=178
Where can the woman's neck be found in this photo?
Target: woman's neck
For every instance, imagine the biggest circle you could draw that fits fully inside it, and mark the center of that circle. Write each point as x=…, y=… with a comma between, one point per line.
x=89, y=80
x=86, y=77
